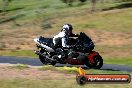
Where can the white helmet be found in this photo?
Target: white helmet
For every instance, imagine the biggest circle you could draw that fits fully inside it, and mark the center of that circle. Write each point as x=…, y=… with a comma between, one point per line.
x=67, y=28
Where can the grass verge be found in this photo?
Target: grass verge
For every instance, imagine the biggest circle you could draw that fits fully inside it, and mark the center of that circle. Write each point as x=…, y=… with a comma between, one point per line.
x=19, y=66
x=60, y=82
x=73, y=70
x=118, y=60
x=64, y=69
x=18, y=53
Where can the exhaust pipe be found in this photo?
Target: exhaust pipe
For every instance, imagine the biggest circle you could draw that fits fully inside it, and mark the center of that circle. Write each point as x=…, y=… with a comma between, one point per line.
x=47, y=59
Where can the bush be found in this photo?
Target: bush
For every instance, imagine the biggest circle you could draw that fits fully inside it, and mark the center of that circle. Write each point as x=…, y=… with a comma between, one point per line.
x=2, y=46
x=69, y=2
x=46, y=25
x=82, y=0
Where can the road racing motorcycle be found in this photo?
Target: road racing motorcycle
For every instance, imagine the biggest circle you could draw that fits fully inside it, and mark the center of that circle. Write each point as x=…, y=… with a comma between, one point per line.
x=80, y=54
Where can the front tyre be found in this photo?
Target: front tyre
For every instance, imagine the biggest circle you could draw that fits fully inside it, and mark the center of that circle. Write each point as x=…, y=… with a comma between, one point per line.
x=42, y=59
x=98, y=62
x=95, y=62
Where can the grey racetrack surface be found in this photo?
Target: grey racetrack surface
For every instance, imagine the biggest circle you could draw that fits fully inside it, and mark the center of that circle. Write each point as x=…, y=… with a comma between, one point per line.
x=36, y=62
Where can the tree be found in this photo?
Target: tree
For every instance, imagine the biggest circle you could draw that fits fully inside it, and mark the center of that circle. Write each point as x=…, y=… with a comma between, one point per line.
x=93, y=5
x=82, y=1
x=70, y=2
x=93, y=2
x=5, y=5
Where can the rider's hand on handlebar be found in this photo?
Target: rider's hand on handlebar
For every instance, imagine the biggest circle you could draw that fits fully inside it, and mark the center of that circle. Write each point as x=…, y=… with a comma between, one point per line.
x=77, y=35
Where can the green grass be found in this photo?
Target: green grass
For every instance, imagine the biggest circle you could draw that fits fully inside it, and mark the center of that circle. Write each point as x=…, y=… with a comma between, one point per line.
x=64, y=69
x=116, y=21
x=73, y=70
x=19, y=66
x=69, y=70
x=118, y=60
x=19, y=53
x=47, y=10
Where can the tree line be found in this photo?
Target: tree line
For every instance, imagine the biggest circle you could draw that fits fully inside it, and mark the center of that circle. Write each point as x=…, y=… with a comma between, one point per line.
x=93, y=2
x=68, y=2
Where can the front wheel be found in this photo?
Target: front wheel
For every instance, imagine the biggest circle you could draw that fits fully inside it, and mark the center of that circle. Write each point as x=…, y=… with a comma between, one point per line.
x=98, y=62
x=41, y=58
x=95, y=62
x=44, y=60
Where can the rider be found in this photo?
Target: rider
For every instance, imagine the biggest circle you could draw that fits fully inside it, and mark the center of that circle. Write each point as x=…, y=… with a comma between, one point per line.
x=63, y=38
x=64, y=35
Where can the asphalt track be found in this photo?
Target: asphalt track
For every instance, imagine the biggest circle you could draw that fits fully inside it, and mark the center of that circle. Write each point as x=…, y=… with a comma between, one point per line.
x=36, y=62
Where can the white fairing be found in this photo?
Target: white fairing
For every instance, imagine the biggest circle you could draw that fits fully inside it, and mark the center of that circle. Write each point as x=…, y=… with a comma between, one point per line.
x=45, y=46
x=36, y=40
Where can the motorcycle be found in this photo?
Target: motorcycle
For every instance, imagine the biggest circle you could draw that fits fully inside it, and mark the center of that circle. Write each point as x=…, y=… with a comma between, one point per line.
x=80, y=54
